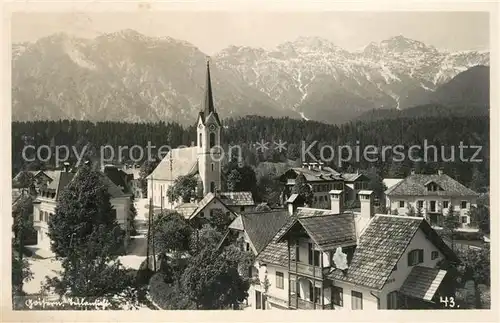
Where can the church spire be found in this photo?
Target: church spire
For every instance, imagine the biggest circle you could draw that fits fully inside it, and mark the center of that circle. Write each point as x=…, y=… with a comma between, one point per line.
x=209, y=101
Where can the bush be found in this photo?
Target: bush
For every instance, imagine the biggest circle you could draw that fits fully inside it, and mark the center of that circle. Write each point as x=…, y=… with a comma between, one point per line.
x=144, y=274
x=168, y=296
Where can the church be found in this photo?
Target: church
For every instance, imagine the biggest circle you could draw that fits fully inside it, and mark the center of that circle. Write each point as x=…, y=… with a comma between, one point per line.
x=202, y=161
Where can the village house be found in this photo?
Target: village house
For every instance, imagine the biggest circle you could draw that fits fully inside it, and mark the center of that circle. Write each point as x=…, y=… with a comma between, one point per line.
x=331, y=259
x=322, y=180
x=229, y=203
x=45, y=204
x=434, y=195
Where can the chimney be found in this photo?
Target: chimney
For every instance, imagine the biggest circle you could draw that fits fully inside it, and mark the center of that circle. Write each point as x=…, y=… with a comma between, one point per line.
x=309, y=165
x=440, y=171
x=320, y=165
x=366, y=201
x=291, y=204
x=304, y=165
x=336, y=201
x=66, y=167
x=364, y=217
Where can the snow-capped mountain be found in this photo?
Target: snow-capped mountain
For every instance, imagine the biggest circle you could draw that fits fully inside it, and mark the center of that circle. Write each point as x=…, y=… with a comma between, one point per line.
x=131, y=77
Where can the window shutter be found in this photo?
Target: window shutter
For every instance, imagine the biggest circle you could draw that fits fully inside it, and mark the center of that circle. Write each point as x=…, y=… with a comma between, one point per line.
x=409, y=258
x=420, y=255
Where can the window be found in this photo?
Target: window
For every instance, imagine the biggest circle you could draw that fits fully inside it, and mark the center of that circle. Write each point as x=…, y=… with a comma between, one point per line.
x=415, y=257
x=401, y=203
x=212, y=187
x=464, y=219
x=392, y=300
x=199, y=141
x=420, y=204
x=293, y=287
x=445, y=204
x=212, y=139
x=356, y=300
x=321, y=198
x=434, y=255
x=247, y=247
x=242, y=208
x=338, y=293
x=463, y=204
x=317, y=295
x=433, y=206
x=313, y=257
x=213, y=167
x=279, y=280
x=297, y=253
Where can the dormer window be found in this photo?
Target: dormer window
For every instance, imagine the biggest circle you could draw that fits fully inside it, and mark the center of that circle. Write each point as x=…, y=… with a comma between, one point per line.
x=433, y=187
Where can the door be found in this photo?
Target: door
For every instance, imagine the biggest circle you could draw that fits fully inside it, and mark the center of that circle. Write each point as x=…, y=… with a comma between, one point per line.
x=258, y=300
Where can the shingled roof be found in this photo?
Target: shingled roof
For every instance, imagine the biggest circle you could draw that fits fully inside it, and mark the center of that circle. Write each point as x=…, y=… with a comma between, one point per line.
x=381, y=246
x=315, y=174
x=422, y=282
x=327, y=229
x=415, y=185
x=177, y=162
x=236, y=198
x=261, y=227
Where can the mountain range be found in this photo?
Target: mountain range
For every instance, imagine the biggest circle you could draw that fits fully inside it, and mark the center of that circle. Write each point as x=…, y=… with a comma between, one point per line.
x=131, y=77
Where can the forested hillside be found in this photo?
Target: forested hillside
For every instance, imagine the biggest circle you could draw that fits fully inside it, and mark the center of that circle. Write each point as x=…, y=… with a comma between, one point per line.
x=446, y=131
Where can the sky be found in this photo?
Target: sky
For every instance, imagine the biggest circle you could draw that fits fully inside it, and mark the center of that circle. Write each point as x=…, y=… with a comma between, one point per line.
x=212, y=31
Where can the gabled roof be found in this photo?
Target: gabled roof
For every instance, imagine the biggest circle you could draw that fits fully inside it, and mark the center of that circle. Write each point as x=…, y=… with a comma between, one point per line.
x=62, y=179
x=276, y=251
x=348, y=177
x=236, y=198
x=118, y=177
x=390, y=182
x=261, y=227
x=315, y=174
x=381, y=246
x=422, y=282
x=177, y=162
x=186, y=209
x=328, y=231
x=415, y=185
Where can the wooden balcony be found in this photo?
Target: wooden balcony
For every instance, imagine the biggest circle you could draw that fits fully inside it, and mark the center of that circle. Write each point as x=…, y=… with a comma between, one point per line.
x=305, y=269
x=307, y=305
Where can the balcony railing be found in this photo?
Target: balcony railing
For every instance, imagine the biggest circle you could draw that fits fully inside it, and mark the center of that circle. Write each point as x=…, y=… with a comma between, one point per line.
x=306, y=304
x=305, y=269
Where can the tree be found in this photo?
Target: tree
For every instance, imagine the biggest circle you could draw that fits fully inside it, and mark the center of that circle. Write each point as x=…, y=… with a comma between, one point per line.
x=131, y=218
x=212, y=281
x=303, y=189
x=83, y=206
x=171, y=233
x=262, y=207
x=21, y=273
x=146, y=168
x=219, y=220
x=240, y=178
x=375, y=182
x=26, y=182
x=411, y=210
x=184, y=187
x=85, y=235
x=480, y=218
x=450, y=223
x=419, y=211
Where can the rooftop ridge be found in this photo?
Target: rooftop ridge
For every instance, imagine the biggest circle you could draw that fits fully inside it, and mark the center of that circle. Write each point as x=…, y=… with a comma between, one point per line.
x=400, y=216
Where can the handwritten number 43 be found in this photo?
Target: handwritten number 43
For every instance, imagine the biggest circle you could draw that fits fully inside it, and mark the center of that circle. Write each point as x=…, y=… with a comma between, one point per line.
x=447, y=301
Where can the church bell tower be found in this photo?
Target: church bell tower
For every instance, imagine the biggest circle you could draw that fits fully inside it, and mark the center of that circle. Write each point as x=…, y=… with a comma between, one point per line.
x=208, y=141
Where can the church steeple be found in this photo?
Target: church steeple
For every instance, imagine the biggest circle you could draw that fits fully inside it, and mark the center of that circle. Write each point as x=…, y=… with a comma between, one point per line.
x=209, y=100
